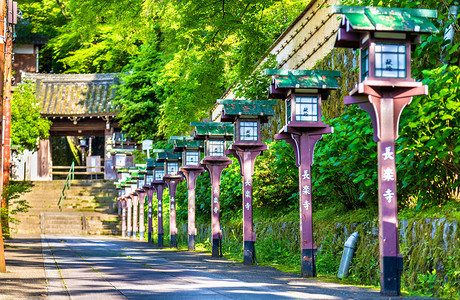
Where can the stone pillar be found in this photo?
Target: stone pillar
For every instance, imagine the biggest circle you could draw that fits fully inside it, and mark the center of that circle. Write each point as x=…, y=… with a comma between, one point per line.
x=129, y=225
x=191, y=175
x=141, y=215
x=172, y=182
x=135, y=214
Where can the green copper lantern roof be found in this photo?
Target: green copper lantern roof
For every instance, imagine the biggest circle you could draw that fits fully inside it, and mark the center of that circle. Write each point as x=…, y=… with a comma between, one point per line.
x=248, y=107
x=387, y=18
x=150, y=163
x=168, y=155
x=310, y=79
x=213, y=129
x=184, y=142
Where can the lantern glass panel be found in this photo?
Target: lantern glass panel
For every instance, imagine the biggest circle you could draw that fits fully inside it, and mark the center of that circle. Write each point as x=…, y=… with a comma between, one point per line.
x=248, y=131
x=159, y=174
x=390, y=60
x=140, y=183
x=133, y=187
x=148, y=179
x=173, y=168
x=288, y=111
x=364, y=63
x=123, y=193
x=306, y=109
x=127, y=190
x=124, y=176
x=192, y=158
x=216, y=148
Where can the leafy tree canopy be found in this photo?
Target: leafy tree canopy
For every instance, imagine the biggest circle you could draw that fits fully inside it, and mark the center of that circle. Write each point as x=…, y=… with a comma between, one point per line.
x=27, y=126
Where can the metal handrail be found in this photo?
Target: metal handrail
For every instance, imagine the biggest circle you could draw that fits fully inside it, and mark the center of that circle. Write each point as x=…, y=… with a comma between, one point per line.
x=70, y=177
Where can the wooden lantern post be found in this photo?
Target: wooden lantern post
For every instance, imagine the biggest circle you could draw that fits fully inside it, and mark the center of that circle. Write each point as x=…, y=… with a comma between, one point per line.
x=159, y=185
x=172, y=178
x=141, y=192
x=385, y=37
x=148, y=187
x=303, y=91
x=134, y=202
x=191, y=168
x=247, y=116
x=215, y=136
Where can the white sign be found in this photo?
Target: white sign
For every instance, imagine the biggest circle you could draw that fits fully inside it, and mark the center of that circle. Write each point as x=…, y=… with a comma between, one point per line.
x=120, y=160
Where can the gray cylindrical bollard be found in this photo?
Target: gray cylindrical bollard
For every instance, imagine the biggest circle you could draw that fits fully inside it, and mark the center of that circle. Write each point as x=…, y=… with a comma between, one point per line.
x=349, y=250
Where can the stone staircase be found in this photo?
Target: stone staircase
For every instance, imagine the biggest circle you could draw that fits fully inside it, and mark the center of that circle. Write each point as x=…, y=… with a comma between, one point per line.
x=90, y=208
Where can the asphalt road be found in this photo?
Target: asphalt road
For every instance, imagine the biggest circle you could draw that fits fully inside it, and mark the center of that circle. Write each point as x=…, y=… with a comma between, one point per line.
x=85, y=267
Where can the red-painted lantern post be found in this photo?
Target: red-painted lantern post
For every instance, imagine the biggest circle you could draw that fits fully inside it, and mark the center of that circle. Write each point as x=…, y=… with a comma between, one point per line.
x=247, y=116
x=215, y=135
x=191, y=169
x=385, y=37
x=135, y=202
x=141, y=192
x=159, y=186
x=172, y=178
x=303, y=91
x=148, y=187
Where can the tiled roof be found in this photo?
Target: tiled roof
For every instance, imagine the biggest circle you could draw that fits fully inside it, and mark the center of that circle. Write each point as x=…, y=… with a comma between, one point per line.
x=75, y=94
x=304, y=78
x=387, y=19
x=210, y=129
x=248, y=107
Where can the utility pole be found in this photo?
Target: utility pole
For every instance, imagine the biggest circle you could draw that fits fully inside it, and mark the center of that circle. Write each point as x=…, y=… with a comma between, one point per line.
x=3, y=10
x=11, y=18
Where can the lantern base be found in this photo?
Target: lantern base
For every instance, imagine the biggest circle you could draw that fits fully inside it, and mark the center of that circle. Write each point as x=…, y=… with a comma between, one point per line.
x=390, y=278
x=216, y=248
x=141, y=235
x=128, y=234
x=249, y=252
x=172, y=242
x=134, y=234
x=160, y=240
x=149, y=237
x=123, y=233
x=308, y=263
x=191, y=242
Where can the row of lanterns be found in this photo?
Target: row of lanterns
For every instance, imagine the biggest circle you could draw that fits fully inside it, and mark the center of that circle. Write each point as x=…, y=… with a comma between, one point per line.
x=385, y=37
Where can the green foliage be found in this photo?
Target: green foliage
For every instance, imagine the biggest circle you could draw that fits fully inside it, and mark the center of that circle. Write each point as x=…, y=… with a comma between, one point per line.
x=27, y=126
x=345, y=163
x=428, y=153
x=12, y=193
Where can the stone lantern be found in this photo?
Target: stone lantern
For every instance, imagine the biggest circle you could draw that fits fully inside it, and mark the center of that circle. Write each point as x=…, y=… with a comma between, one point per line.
x=303, y=91
x=172, y=177
x=385, y=38
x=247, y=116
x=191, y=168
x=215, y=136
x=159, y=185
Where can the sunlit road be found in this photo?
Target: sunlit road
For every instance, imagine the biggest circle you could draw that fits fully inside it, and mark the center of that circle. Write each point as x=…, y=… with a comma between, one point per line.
x=84, y=267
